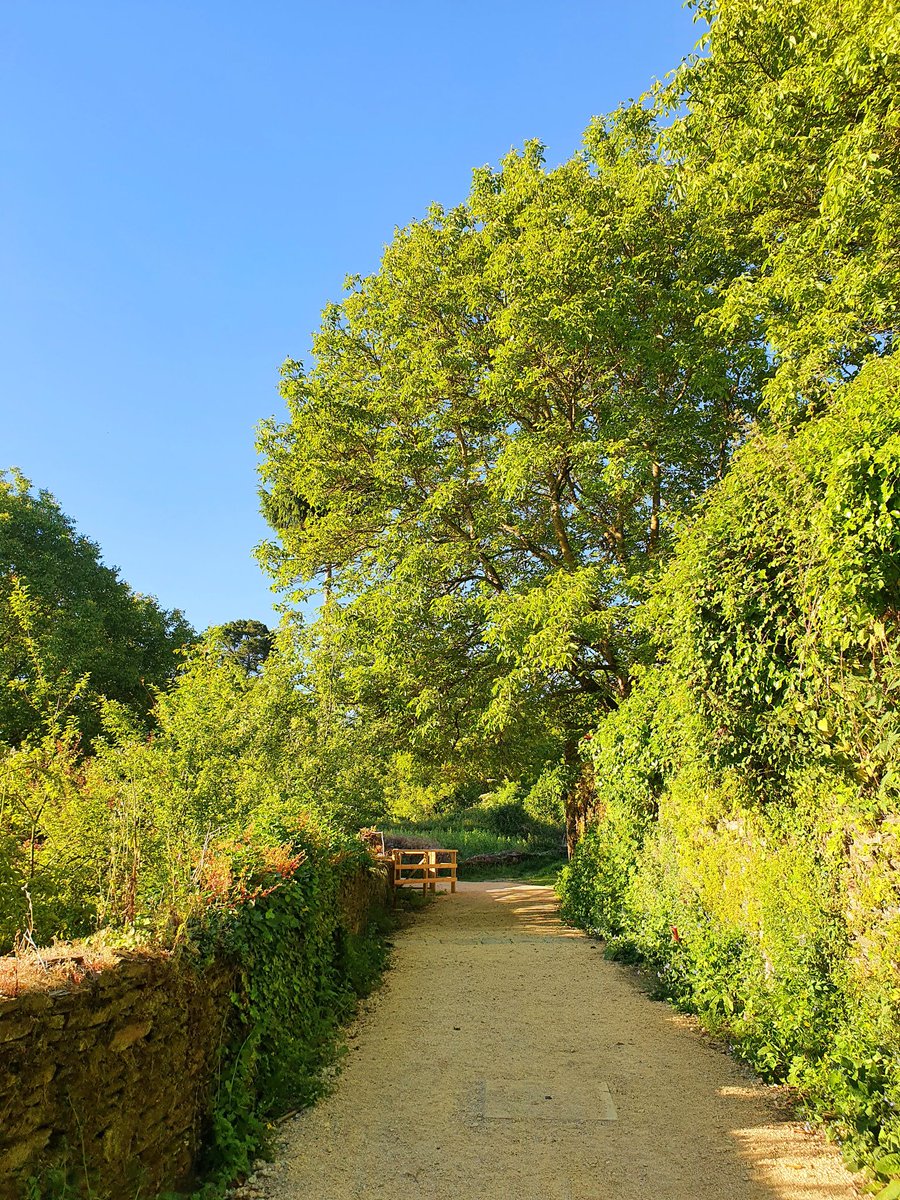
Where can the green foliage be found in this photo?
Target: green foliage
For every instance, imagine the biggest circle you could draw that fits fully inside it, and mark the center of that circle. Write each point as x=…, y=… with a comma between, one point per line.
x=606, y=456
x=543, y=871
x=487, y=458
x=503, y=813
x=249, y=642
x=789, y=142
x=300, y=926
x=204, y=835
x=781, y=605
x=303, y=957
x=544, y=800
x=42, y=797
x=498, y=824
x=119, y=840
x=84, y=620
x=466, y=833
x=53, y=1184
x=747, y=789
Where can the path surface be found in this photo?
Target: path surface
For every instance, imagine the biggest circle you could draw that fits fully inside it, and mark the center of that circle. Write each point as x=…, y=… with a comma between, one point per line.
x=504, y=1059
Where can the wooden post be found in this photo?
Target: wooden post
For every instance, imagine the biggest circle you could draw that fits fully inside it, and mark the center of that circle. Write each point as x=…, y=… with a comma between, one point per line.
x=428, y=867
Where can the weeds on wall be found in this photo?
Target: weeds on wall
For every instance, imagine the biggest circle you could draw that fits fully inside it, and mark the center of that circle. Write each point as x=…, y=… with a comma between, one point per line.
x=304, y=952
x=300, y=933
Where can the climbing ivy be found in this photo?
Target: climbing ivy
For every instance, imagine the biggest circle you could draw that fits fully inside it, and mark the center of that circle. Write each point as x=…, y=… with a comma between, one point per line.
x=745, y=839
x=305, y=939
x=299, y=932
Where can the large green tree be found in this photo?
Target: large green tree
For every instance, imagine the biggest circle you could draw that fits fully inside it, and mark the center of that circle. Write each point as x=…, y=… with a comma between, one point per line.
x=81, y=618
x=499, y=430
x=788, y=132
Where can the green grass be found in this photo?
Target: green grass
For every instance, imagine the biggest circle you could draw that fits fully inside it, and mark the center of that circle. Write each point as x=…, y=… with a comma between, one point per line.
x=546, y=873
x=535, y=869
x=467, y=841
x=484, y=829
x=469, y=832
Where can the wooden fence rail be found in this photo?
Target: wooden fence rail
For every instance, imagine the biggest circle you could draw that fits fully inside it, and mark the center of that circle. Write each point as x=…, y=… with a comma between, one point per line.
x=427, y=868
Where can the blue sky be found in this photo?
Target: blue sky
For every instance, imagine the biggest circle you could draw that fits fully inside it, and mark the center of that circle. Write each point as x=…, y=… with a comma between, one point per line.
x=184, y=185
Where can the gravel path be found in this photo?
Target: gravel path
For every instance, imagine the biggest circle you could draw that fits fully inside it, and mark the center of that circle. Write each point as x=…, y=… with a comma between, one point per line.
x=504, y=1059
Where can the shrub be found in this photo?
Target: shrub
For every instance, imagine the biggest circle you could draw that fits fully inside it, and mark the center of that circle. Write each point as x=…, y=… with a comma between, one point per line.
x=746, y=832
x=303, y=932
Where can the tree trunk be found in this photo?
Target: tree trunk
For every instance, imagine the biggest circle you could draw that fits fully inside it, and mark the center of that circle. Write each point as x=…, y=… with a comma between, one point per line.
x=655, y=505
x=579, y=803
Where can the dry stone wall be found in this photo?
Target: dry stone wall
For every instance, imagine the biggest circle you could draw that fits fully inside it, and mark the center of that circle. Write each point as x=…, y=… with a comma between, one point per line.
x=116, y=1077
x=115, y=1074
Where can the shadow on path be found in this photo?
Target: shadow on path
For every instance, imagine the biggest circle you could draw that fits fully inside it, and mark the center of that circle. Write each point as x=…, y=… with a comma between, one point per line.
x=505, y=1059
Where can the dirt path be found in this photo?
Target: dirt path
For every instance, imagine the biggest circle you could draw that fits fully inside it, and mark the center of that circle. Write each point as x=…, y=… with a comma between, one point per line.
x=504, y=1059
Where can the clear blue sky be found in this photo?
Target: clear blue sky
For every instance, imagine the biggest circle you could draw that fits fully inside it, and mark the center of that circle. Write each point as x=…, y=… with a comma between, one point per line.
x=185, y=183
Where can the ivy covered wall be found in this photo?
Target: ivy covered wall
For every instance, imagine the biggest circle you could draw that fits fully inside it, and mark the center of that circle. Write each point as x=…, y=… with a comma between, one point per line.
x=163, y=1069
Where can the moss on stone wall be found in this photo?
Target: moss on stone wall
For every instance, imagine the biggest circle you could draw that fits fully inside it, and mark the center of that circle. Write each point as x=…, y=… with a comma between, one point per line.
x=165, y=1061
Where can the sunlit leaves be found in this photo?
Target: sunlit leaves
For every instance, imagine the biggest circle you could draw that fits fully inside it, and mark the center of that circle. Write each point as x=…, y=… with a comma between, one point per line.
x=791, y=140
x=496, y=436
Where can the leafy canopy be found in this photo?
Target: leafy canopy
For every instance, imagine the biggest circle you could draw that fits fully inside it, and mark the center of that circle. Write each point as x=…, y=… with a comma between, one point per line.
x=82, y=618
x=499, y=430
x=790, y=140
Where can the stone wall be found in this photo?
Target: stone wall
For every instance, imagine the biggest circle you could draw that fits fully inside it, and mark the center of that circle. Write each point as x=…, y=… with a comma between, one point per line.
x=115, y=1077
x=115, y=1074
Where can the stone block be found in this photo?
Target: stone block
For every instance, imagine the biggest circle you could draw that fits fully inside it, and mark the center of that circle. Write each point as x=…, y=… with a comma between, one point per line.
x=16, y=1028
x=87, y=1016
x=117, y=1143
x=34, y=1002
x=24, y=1151
x=44, y=1074
x=129, y=1034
